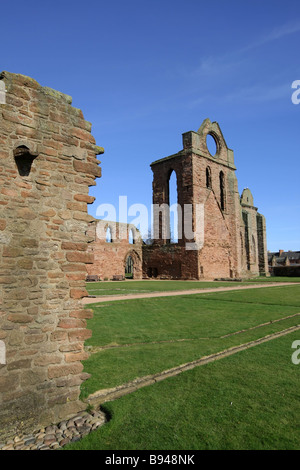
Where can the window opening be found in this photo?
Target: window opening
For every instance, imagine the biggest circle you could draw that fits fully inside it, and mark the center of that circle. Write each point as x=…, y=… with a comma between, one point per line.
x=23, y=159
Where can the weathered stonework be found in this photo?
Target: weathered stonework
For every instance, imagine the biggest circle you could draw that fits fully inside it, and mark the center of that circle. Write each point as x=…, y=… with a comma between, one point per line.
x=110, y=256
x=227, y=237
x=47, y=163
x=254, y=255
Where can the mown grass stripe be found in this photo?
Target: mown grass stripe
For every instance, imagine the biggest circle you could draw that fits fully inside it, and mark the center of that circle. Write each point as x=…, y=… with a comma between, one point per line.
x=105, y=395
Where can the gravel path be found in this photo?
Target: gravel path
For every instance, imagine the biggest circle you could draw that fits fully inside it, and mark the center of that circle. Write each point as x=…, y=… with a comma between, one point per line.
x=106, y=298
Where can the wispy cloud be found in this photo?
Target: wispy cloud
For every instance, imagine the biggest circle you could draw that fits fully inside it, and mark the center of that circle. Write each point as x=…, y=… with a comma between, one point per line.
x=233, y=59
x=259, y=93
x=221, y=65
x=237, y=72
x=254, y=94
x=277, y=33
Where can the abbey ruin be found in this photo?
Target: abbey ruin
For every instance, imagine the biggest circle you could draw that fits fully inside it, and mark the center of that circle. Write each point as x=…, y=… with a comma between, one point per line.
x=226, y=236
x=49, y=243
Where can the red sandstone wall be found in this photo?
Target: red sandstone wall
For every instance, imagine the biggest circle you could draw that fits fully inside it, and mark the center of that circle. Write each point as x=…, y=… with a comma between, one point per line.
x=169, y=262
x=110, y=258
x=216, y=255
x=219, y=255
x=43, y=253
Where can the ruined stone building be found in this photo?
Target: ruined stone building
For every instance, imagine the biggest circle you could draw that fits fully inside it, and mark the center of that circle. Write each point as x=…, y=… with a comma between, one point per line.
x=220, y=234
x=116, y=249
x=49, y=243
x=47, y=163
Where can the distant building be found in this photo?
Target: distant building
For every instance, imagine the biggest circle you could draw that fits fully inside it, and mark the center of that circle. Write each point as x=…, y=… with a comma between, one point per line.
x=280, y=259
x=116, y=249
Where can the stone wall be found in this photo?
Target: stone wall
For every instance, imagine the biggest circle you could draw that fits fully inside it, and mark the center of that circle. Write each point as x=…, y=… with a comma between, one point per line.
x=110, y=255
x=47, y=163
x=290, y=271
x=169, y=261
x=262, y=245
x=253, y=236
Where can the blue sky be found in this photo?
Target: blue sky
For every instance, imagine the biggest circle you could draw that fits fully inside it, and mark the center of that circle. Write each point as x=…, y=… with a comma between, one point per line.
x=144, y=72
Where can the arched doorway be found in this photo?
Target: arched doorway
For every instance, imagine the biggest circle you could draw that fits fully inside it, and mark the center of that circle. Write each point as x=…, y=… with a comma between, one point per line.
x=133, y=265
x=129, y=268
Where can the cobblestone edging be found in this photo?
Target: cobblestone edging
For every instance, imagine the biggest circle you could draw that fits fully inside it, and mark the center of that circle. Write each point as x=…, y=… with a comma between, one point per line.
x=56, y=436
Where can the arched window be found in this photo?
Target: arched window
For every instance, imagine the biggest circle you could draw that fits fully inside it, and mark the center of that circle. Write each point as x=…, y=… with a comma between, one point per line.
x=242, y=249
x=173, y=205
x=222, y=191
x=253, y=248
x=108, y=238
x=131, y=237
x=208, y=177
x=211, y=144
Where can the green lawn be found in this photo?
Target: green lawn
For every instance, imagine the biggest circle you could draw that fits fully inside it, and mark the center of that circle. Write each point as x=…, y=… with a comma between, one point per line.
x=146, y=336
x=145, y=286
x=246, y=401
x=275, y=279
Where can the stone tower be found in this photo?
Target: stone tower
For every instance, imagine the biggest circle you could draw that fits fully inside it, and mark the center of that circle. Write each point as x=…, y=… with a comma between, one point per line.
x=211, y=216
x=47, y=163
